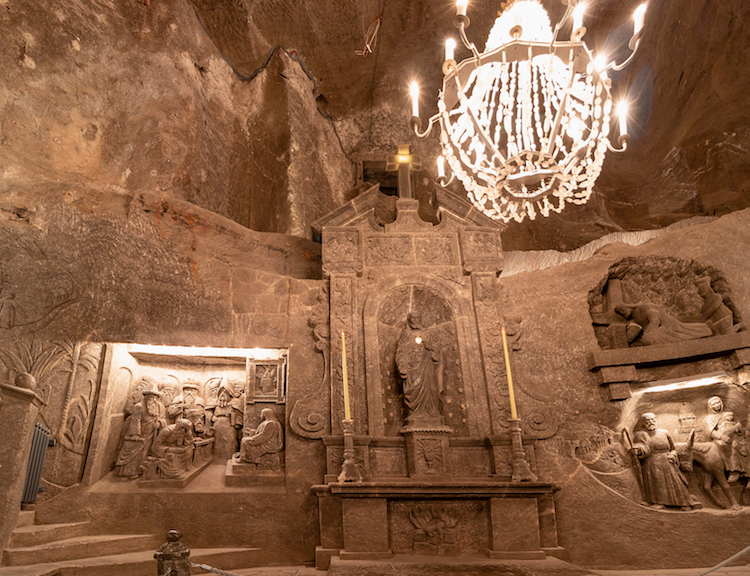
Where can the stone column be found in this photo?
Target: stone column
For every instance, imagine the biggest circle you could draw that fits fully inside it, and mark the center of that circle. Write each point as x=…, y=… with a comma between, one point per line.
x=18, y=412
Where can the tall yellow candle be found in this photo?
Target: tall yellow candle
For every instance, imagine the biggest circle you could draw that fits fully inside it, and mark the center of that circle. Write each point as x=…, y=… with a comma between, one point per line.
x=511, y=396
x=347, y=412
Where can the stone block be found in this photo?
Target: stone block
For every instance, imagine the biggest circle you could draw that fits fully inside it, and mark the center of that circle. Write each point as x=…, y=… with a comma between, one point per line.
x=365, y=525
x=619, y=391
x=515, y=526
x=616, y=374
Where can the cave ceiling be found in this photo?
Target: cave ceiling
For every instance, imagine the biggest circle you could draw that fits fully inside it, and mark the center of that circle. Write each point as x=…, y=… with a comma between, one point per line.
x=260, y=110
x=689, y=84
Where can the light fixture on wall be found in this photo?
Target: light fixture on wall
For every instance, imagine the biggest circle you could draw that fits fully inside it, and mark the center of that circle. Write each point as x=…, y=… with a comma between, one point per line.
x=525, y=124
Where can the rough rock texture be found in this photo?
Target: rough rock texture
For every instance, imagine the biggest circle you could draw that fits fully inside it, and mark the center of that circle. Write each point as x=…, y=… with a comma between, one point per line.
x=102, y=99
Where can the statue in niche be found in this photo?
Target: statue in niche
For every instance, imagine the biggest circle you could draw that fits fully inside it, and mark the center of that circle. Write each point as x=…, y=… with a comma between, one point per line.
x=420, y=365
x=185, y=401
x=262, y=445
x=728, y=435
x=716, y=314
x=141, y=428
x=172, y=451
x=225, y=411
x=655, y=325
x=663, y=482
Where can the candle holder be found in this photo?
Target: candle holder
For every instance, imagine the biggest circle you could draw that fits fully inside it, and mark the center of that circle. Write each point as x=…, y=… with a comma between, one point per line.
x=521, y=472
x=349, y=469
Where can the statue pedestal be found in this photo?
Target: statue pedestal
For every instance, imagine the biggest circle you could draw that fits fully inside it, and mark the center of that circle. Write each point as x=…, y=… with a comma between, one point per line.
x=427, y=450
x=239, y=473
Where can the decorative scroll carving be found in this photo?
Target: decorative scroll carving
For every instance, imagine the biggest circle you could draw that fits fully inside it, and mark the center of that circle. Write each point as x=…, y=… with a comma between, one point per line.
x=309, y=417
x=481, y=250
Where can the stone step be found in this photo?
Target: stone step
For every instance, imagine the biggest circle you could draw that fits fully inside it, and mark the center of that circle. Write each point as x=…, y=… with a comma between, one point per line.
x=139, y=563
x=26, y=518
x=80, y=547
x=36, y=534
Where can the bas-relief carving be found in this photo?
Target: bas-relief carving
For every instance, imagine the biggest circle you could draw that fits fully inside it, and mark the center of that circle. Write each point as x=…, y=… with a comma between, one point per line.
x=438, y=529
x=660, y=477
x=341, y=246
x=310, y=416
x=389, y=251
x=171, y=430
x=655, y=300
x=436, y=251
x=66, y=372
x=263, y=445
x=695, y=428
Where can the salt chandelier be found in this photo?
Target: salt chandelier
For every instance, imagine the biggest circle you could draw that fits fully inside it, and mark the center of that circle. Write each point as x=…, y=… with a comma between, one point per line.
x=525, y=124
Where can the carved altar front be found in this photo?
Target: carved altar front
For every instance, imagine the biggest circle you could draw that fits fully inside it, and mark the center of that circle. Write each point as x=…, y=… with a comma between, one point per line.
x=420, y=309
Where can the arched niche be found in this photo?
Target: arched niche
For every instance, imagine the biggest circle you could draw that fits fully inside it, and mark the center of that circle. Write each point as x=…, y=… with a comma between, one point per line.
x=446, y=318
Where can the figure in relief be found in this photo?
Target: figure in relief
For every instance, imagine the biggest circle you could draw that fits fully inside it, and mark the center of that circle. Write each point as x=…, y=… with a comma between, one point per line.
x=420, y=365
x=141, y=428
x=664, y=483
x=267, y=439
x=225, y=412
x=173, y=449
x=658, y=326
x=715, y=313
x=728, y=435
x=185, y=401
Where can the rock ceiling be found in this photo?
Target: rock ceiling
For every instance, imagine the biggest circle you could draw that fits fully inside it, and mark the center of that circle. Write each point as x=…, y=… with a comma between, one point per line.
x=258, y=110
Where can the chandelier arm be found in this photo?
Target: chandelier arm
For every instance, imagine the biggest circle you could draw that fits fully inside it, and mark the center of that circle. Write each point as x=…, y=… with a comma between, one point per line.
x=465, y=40
x=623, y=141
x=618, y=67
x=416, y=124
x=443, y=183
x=480, y=131
x=568, y=10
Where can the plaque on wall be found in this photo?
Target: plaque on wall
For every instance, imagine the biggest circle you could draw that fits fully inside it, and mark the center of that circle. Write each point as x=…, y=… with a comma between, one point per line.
x=266, y=381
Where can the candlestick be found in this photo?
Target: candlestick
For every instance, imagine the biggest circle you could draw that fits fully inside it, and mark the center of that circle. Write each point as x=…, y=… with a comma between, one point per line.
x=461, y=7
x=414, y=90
x=441, y=167
x=511, y=396
x=347, y=413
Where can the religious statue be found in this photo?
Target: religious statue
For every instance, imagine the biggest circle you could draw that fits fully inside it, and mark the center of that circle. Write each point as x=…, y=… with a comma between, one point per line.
x=663, y=482
x=173, y=449
x=141, y=428
x=225, y=411
x=420, y=365
x=267, y=439
x=720, y=427
x=716, y=314
x=657, y=326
